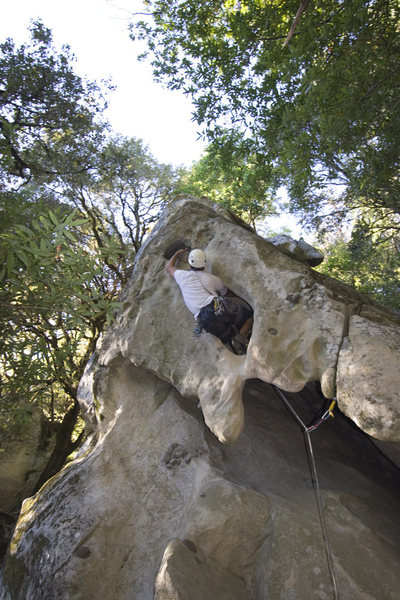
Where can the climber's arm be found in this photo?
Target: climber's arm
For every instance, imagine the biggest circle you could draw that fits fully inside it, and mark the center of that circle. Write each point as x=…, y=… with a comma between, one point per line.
x=170, y=266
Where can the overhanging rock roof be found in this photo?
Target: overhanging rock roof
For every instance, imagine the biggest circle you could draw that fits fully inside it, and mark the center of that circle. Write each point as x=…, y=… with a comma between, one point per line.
x=307, y=327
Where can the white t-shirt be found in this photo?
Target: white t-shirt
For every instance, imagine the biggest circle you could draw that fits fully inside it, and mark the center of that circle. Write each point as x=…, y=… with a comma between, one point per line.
x=193, y=284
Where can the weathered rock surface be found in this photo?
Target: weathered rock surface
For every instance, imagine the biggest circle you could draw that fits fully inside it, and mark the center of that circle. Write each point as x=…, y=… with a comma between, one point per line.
x=161, y=508
x=301, y=322
x=368, y=377
x=183, y=568
x=298, y=249
x=196, y=484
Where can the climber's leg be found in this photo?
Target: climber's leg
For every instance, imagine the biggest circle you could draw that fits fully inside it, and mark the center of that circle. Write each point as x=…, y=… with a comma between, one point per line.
x=246, y=327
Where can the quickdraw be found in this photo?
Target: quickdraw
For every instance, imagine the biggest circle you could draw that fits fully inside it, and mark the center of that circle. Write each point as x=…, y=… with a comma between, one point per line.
x=325, y=417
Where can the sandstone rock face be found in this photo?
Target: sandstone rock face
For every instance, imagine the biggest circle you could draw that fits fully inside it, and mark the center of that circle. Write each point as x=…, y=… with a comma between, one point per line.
x=301, y=322
x=368, y=376
x=183, y=570
x=196, y=482
x=159, y=508
x=298, y=248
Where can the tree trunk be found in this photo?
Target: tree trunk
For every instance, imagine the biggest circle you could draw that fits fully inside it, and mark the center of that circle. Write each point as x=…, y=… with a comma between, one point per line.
x=64, y=445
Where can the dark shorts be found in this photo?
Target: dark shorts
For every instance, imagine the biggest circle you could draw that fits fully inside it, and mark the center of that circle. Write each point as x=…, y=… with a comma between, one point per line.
x=225, y=325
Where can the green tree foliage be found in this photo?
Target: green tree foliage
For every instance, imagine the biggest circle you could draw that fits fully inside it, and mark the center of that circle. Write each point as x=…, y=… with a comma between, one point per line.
x=67, y=248
x=49, y=125
x=55, y=297
x=322, y=109
x=74, y=211
x=230, y=174
x=48, y=114
x=315, y=98
x=370, y=261
x=124, y=193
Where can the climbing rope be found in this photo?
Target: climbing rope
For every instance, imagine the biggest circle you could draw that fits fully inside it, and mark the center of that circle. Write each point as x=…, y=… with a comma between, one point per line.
x=314, y=477
x=325, y=416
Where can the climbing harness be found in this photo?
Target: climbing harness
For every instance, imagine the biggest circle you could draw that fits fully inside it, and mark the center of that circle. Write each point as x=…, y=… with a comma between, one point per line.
x=231, y=313
x=219, y=305
x=218, y=301
x=314, y=478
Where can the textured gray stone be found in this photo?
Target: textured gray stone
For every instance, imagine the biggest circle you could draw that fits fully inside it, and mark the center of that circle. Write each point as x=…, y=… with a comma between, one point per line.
x=301, y=319
x=104, y=527
x=185, y=573
x=298, y=248
x=369, y=378
x=196, y=483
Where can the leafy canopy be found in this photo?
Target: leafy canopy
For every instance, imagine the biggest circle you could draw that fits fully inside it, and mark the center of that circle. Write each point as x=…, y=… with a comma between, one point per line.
x=232, y=175
x=48, y=115
x=370, y=261
x=127, y=187
x=321, y=110
x=67, y=247
x=74, y=210
x=54, y=304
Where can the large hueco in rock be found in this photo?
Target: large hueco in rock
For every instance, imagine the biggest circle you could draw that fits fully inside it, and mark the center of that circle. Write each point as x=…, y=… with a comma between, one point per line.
x=196, y=483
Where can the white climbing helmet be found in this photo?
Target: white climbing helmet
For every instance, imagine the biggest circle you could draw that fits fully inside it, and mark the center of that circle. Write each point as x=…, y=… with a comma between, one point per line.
x=197, y=259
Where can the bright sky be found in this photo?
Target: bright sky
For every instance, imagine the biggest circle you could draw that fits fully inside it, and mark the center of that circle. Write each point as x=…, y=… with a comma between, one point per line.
x=97, y=32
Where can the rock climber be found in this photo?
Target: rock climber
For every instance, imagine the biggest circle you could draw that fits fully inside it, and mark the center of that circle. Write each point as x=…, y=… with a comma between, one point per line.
x=216, y=309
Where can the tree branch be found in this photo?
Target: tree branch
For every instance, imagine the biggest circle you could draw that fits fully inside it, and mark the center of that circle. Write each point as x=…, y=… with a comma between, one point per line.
x=302, y=8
